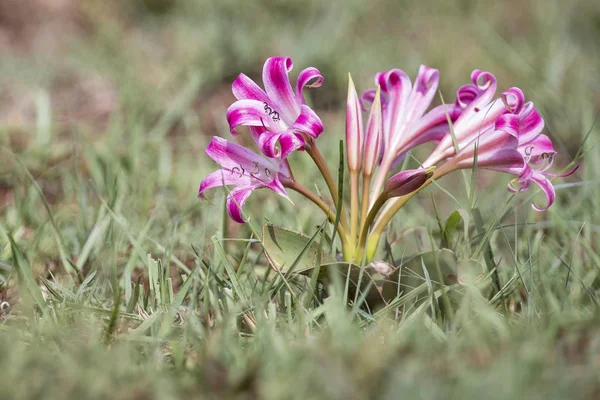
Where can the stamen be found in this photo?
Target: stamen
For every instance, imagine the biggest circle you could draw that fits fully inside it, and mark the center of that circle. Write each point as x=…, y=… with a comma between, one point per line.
x=271, y=113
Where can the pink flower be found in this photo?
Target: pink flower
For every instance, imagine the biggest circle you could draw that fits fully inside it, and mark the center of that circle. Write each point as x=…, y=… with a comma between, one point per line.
x=538, y=153
x=278, y=118
x=405, y=123
x=246, y=171
x=507, y=133
x=497, y=149
x=479, y=113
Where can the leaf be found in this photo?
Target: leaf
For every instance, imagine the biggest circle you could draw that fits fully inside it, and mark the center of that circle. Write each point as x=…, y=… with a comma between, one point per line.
x=452, y=223
x=26, y=274
x=411, y=241
x=411, y=275
x=441, y=267
x=369, y=289
x=284, y=246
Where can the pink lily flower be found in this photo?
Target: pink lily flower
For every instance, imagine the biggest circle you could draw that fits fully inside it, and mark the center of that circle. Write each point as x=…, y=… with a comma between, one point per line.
x=538, y=152
x=245, y=170
x=513, y=144
x=479, y=113
x=279, y=119
x=405, y=123
x=497, y=149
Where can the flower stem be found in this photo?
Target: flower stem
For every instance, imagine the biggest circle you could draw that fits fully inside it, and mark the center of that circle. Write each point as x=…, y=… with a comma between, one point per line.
x=384, y=168
x=318, y=159
x=394, y=206
x=379, y=202
x=298, y=187
x=353, y=205
x=365, y=200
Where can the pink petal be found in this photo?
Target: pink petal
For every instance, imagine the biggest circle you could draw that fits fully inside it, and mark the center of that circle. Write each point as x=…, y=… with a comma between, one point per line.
x=222, y=177
x=435, y=120
x=279, y=144
x=486, y=84
x=466, y=94
x=531, y=123
x=278, y=188
x=244, y=88
x=508, y=123
x=368, y=96
x=278, y=87
x=478, y=95
x=308, y=122
x=253, y=113
x=513, y=99
x=238, y=196
x=308, y=77
x=495, y=150
x=548, y=189
x=239, y=159
x=426, y=84
x=571, y=172
x=435, y=134
x=536, y=147
x=235, y=201
x=396, y=84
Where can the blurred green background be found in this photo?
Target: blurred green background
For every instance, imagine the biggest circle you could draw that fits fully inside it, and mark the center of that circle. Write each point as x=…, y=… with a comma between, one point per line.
x=110, y=104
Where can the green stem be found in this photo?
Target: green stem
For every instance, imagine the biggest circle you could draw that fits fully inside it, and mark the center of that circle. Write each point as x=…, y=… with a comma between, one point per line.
x=394, y=206
x=319, y=161
x=298, y=187
x=353, y=205
x=384, y=168
x=365, y=200
x=365, y=228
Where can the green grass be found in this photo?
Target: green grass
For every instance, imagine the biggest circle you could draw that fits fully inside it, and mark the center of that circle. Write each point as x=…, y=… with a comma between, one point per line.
x=122, y=284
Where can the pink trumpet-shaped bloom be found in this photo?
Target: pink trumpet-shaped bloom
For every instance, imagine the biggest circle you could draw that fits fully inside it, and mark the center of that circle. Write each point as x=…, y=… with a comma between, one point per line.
x=513, y=144
x=354, y=128
x=246, y=171
x=405, y=124
x=497, y=149
x=373, y=136
x=538, y=152
x=278, y=117
x=479, y=115
x=407, y=181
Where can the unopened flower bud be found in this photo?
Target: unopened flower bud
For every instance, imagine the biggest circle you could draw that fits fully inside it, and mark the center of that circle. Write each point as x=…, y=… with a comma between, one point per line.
x=373, y=136
x=408, y=181
x=354, y=128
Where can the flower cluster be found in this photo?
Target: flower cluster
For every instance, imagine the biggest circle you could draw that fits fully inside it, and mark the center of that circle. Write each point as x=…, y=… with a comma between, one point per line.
x=499, y=132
